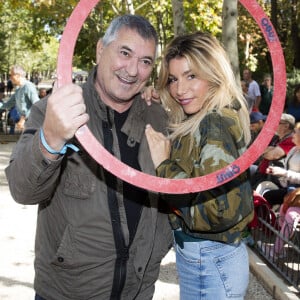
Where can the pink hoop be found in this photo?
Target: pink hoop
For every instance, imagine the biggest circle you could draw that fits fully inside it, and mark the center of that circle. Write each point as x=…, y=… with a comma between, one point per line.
x=178, y=186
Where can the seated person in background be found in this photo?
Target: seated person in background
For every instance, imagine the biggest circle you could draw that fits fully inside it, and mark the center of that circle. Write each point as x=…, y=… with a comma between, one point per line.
x=289, y=217
x=257, y=121
x=279, y=147
x=289, y=175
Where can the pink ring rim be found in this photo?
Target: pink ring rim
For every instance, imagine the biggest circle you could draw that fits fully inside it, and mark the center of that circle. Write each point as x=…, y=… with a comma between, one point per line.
x=178, y=186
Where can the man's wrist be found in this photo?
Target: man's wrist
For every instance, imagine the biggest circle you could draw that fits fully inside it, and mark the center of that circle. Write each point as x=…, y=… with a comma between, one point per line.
x=50, y=150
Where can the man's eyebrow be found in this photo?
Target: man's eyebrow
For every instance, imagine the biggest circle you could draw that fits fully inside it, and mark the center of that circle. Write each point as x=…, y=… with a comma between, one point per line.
x=150, y=58
x=130, y=50
x=126, y=48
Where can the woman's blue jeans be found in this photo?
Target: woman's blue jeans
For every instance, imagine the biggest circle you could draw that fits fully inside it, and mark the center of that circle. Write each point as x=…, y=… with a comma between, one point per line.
x=210, y=270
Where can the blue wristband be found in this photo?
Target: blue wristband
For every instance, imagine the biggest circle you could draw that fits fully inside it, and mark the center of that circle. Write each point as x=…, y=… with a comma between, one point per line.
x=63, y=150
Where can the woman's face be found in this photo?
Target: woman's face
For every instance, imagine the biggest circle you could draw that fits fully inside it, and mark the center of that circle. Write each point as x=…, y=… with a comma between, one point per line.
x=185, y=87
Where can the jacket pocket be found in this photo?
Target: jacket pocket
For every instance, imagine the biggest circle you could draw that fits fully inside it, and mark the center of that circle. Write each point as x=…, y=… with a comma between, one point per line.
x=80, y=274
x=79, y=185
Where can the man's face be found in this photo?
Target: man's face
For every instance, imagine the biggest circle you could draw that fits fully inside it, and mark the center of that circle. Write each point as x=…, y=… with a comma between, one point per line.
x=246, y=75
x=256, y=127
x=15, y=78
x=267, y=81
x=124, y=67
x=283, y=128
x=42, y=93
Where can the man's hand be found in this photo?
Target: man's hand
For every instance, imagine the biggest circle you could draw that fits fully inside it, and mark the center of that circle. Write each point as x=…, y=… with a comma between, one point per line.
x=150, y=94
x=21, y=123
x=65, y=113
x=159, y=145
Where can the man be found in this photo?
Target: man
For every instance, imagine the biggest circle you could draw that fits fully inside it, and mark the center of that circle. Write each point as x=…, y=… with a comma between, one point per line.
x=257, y=121
x=24, y=96
x=266, y=90
x=250, y=100
x=9, y=87
x=97, y=236
x=42, y=93
x=253, y=88
x=2, y=89
x=280, y=145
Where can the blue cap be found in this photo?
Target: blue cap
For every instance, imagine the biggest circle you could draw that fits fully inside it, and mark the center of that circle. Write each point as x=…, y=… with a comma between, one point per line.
x=257, y=116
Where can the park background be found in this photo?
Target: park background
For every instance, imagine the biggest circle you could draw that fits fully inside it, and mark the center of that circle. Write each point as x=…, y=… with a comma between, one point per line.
x=30, y=32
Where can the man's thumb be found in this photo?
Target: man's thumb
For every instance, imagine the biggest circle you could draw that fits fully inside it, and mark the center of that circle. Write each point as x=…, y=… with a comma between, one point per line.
x=54, y=86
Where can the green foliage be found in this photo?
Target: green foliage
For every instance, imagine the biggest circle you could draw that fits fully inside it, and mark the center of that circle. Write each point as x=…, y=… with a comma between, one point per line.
x=30, y=30
x=258, y=52
x=24, y=35
x=204, y=16
x=29, y=25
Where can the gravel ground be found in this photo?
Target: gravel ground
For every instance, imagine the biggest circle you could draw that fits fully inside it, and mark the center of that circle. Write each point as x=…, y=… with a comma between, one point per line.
x=17, y=223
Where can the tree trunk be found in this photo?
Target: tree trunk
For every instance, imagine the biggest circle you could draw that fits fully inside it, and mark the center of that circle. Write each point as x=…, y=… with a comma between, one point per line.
x=130, y=7
x=178, y=17
x=295, y=34
x=229, y=33
x=274, y=14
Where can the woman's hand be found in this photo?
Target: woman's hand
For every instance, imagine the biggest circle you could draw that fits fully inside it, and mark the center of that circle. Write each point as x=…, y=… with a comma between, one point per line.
x=159, y=145
x=150, y=94
x=276, y=171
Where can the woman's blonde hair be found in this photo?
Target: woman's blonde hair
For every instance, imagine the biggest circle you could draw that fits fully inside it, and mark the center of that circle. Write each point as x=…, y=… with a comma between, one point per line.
x=207, y=59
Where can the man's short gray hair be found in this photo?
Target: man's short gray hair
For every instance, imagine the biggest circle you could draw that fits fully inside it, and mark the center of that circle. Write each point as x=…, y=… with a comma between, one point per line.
x=134, y=22
x=18, y=70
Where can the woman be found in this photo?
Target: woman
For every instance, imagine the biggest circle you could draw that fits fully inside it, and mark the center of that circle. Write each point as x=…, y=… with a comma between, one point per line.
x=289, y=218
x=209, y=124
x=289, y=212
x=289, y=176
